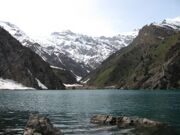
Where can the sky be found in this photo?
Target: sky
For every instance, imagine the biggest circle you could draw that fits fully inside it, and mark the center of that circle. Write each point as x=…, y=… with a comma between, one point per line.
x=91, y=17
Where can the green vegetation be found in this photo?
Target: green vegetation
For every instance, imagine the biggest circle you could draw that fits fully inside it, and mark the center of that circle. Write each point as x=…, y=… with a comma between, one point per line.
x=163, y=48
x=104, y=76
x=149, y=62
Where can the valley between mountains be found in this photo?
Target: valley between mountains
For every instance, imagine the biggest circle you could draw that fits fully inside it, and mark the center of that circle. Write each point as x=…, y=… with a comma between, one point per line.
x=146, y=58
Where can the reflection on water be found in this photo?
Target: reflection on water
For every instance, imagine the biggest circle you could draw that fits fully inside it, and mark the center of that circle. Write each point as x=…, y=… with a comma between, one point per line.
x=71, y=110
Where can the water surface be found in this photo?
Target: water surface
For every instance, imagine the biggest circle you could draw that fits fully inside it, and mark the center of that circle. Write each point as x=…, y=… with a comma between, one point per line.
x=72, y=110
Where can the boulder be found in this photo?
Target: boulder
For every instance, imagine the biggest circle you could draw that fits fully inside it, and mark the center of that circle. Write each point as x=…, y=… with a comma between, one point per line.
x=123, y=121
x=40, y=125
x=135, y=121
x=103, y=119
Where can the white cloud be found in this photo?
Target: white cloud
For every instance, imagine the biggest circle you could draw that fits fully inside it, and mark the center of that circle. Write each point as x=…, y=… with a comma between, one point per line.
x=176, y=19
x=40, y=17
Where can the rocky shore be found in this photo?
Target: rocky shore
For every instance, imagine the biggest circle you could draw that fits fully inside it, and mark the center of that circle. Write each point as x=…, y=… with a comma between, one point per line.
x=123, y=121
x=139, y=126
x=40, y=125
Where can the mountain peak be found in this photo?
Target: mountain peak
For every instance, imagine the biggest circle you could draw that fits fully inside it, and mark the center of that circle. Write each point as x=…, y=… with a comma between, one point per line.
x=67, y=31
x=63, y=33
x=16, y=32
x=170, y=23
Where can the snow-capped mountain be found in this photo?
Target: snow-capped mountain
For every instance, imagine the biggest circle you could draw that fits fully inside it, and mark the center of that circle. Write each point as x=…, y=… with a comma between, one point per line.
x=23, y=66
x=17, y=33
x=77, y=53
x=170, y=23
x=90, y=51
x=81, y=53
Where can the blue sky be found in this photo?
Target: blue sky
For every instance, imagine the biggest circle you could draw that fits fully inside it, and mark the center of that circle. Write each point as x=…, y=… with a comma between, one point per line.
x=129, y=14
x=92, y=17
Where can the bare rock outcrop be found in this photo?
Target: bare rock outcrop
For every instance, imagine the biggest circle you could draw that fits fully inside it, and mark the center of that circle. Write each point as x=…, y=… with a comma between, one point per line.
x=138, y=126
x=123, y=121
x=40, y=125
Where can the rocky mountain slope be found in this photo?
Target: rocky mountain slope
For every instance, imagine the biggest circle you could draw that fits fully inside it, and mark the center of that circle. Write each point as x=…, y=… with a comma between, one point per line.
x=26, y=41
x=74, y=52
x=151, y=61
x=23, y=66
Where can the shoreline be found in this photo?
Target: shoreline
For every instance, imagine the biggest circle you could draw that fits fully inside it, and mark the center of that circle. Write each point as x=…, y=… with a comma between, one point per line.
x=90, y=89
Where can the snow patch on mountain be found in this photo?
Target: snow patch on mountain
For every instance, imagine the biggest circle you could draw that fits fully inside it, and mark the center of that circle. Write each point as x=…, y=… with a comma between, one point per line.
x=41, y=85
x=11, y=85
x=78, y=78
x=174, y=21
x=16, y=32
x=57, y=68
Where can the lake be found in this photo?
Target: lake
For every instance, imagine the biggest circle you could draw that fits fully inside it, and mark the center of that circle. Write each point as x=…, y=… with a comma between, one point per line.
x=71, y=110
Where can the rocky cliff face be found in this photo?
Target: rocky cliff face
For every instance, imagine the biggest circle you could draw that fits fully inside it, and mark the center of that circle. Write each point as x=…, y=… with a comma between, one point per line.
x=151, y=61
x=22, y=65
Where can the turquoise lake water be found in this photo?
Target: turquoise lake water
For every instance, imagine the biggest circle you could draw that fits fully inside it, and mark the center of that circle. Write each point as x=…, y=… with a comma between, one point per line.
x=71, y=110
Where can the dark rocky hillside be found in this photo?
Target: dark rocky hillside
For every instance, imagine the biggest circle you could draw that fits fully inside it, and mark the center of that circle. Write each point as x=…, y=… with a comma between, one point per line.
x=65, y=75
x=151, y=61
x=62, y=73
x=24, y=66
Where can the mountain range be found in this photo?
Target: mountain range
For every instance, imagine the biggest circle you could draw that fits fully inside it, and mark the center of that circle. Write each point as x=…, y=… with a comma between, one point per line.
x=145, y=58
x=78, y=54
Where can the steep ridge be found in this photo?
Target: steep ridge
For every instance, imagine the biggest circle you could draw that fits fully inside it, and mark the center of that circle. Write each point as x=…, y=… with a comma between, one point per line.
x=151, y=61
x=23, y=66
